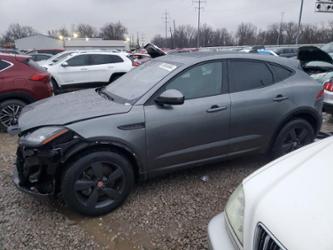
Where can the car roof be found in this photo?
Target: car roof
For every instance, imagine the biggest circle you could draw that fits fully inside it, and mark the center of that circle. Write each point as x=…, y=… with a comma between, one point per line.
x=197, y=57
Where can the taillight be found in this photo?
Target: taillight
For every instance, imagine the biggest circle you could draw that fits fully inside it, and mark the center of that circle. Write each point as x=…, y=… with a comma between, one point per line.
x=40, y=77
x=328, y=86
x=135, y=64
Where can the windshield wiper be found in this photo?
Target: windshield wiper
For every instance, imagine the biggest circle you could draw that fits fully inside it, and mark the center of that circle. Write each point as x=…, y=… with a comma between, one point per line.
x=104, y=93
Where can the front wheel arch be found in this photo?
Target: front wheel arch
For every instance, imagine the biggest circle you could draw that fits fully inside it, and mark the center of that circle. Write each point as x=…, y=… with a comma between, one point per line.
x=83, y=149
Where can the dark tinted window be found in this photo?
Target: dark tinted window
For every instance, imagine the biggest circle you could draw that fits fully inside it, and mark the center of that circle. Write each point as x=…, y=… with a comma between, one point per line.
x=200, y=81
x=3, y=65
x=80, y=60
x=280, y=73
x=105, y=59
x=247, y=75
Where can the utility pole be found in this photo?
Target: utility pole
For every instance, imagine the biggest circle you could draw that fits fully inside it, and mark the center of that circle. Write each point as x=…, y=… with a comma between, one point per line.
x=166, y=21
x=199, y=8
x=280, y=30
x=299, y=22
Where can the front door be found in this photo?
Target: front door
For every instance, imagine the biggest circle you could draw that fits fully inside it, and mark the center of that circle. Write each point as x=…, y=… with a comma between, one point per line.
x=77, y=70
x=196, y=130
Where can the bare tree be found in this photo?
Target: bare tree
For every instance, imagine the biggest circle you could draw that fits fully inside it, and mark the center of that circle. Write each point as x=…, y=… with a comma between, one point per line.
x=113, y=31
x=290, y=30
x=246, y=34
x=86, y=30
x=16, y=31
x=59, y=32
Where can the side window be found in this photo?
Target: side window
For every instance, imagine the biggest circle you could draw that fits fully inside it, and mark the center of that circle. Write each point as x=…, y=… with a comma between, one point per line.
x=3, y=65
x=200, y=81
x=79, y=60
x=280, y=73
x=105, y=59
x=247, y=75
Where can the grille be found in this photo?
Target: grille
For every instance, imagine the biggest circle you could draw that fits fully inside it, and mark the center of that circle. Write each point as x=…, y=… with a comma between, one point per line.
x=264, y=240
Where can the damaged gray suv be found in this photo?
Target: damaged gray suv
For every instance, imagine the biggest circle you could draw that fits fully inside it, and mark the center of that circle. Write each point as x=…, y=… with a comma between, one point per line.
x=173, y=112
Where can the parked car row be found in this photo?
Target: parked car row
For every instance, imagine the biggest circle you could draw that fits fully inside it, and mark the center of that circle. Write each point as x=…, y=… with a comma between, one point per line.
x=176, y=111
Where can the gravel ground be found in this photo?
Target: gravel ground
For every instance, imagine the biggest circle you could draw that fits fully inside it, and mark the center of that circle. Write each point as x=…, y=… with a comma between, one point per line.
x=171, y=212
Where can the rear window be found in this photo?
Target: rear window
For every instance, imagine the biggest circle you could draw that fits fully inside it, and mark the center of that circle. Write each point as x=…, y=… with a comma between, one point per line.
x=247, y=75
x=280, y=73
x=4, y=65
x=105, y=59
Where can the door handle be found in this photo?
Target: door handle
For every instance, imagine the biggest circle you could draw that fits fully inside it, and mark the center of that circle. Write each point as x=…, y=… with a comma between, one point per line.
x=84, y=69
x=216, y=108
x=280, y=98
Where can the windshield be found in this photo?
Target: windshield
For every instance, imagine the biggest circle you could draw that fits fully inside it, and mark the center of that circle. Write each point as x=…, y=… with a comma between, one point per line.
x=60, y=57
x=138, y=81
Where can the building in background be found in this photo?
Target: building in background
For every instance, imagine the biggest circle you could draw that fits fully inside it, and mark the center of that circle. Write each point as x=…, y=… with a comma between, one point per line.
x=38, y=42
x=43, y=42
x=94, y=43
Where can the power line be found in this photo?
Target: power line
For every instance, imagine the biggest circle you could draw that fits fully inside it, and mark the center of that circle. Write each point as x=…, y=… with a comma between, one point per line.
x=199, y=8
x=299, y=22
x=280, y=29
x=166, y=22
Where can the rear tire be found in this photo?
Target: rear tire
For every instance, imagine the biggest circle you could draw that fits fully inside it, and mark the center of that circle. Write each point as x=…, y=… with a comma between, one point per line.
x=9, y=113
x=115, y=77
x=294, y=135
x=55, y=86
x=97, y=183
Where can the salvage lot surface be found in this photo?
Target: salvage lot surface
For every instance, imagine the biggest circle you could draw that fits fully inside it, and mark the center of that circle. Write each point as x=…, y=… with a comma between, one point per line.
x=171, y=212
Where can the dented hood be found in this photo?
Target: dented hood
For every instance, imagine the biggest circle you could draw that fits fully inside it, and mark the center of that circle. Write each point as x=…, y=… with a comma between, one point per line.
x=68, y=108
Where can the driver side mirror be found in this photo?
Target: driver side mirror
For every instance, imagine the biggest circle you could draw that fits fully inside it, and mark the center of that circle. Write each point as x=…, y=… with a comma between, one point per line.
x=171, y=97
x=64, y=64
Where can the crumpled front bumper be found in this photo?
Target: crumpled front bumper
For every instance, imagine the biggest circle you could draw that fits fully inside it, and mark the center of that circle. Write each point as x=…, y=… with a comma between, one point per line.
x=35, y=170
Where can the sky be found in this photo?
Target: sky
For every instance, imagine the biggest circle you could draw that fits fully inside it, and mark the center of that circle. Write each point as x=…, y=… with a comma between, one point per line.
x=146, y=16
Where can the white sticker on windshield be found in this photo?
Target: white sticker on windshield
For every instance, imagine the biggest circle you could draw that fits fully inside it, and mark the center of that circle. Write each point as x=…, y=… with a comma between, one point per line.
x=168, y=67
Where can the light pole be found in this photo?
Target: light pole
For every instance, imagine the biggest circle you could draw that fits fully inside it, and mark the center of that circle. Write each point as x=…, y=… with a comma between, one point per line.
x=299, y=22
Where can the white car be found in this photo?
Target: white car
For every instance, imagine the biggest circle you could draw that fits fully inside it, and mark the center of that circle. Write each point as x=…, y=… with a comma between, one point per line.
x=284, y=205
x=88, y=69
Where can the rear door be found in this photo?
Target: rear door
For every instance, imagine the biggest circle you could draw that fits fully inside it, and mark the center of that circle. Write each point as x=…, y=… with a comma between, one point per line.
x=259, y=100
x=103, y=66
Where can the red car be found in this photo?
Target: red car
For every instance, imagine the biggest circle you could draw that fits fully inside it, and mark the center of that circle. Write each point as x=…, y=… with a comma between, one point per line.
x=22, y=82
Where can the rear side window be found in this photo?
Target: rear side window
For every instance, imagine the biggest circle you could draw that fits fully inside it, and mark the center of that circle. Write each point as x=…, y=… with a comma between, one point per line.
x=4, y=65
x=79, y=60
x=247, y=75
x=105, y=59
x=280, y=73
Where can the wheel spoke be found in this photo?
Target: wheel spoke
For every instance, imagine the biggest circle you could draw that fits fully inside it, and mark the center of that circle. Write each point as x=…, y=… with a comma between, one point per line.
x=83, y=185
x=117, y=174
x=93, y=198
x=287, y=147
x=293, y=134
x=111, y=193
x=303, y=135
x=97, y=168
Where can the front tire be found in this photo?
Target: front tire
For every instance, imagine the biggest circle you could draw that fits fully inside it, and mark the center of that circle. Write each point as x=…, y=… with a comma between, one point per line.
x=294, y=135
x=97, y=183
x=9, y=112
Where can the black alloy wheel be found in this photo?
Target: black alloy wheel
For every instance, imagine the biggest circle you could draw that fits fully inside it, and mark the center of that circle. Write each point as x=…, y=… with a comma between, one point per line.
x=294, y=135
x=98, y=183
x=9, y=112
